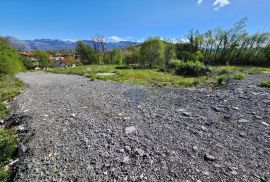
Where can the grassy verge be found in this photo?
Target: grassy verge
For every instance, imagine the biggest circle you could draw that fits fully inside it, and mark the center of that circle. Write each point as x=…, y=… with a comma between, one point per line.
x=265, y=84
x=9, y=87
x=153, y=77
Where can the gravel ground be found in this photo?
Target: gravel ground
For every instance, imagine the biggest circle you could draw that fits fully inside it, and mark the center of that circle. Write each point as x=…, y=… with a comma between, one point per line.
x=104, y=131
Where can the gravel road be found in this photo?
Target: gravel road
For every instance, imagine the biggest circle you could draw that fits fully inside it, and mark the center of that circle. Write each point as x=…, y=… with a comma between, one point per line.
x=104, y=131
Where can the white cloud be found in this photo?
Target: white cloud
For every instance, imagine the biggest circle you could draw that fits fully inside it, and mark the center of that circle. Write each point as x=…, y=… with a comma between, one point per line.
x=200, y=1
x=220, y=4
x=114, y=38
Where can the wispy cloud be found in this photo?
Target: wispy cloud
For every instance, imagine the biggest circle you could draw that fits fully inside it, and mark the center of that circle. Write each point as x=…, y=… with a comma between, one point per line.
x=220, y=4
x=114, y=38
x=200, y=1
x=217, y=4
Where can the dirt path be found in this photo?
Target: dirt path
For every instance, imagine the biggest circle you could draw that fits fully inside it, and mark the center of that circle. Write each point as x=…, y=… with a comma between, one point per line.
x=103, y=131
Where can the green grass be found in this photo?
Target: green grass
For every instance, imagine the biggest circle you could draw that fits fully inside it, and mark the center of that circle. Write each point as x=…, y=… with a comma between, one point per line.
x=141, y=76
x=8, y=147
x=9, y=87
x=265, y=84
x=239, y=76
x=154, y=77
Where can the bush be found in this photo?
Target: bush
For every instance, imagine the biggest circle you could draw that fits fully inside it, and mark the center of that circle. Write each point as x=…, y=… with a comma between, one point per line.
x=221, y=79
x=265, y=84
x=29, y=65
x=189, y=68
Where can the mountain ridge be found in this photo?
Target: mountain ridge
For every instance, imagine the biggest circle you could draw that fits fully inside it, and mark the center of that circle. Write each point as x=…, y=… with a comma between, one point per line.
x=57, y=44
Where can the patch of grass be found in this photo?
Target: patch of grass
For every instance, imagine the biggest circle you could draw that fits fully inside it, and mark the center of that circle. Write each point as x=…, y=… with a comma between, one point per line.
x=222, y=79
x=3, y=175
x=242, y=69
x=25, y=139
x=155, y=77
x=239, y=76
x=8, y=148
x=135, y=75
x=265, y=84
x=9, y=87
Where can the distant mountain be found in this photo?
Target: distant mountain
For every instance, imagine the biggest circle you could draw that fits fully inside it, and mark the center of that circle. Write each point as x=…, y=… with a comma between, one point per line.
x=49, y=44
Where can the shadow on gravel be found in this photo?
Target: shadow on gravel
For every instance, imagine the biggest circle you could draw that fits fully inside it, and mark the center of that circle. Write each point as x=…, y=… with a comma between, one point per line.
x=135, y=95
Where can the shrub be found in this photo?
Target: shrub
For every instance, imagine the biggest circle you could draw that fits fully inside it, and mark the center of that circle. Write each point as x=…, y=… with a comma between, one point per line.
x=265, y=84
x=221, y=79
x=189, y=68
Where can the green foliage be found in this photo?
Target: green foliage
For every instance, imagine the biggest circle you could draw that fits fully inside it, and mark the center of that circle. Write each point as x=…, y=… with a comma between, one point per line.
x=239, y=76
x=8, y=148
x=3, y=175
x=152, y=52
x=87, y=53
x=8, y=145
x=10, y=62
x=9, y=87
x=135, y=75
x=132, y=56
x=42, y=58
x=170, y=53
x=189, y=68
x=116, y=57
x=28, y=64
x=221, y=79
x=265, y=84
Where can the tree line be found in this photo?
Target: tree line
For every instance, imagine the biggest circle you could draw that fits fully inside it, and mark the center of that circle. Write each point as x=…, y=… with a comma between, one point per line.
x=234, y=46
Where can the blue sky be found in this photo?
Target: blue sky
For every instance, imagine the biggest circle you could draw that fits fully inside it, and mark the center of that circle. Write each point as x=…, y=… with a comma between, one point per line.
x=126, y=19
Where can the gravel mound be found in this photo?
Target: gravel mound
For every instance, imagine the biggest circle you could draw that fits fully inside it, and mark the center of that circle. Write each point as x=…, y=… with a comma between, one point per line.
x=104, y=131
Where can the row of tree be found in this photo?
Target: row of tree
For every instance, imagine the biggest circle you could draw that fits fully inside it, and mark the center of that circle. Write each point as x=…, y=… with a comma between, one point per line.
x=215, y=47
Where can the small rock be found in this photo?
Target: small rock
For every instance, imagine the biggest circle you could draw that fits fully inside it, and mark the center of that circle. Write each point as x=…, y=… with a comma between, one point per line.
x=258, y=117
x=243, y=121
x=120, y=114
x=139, y=152
x=206, y=173
x=264, y=123
x=235, y=108
x=204, y=128
x=73, y=115
x=216, y=109
x=187, y=114
x=21, y=128
x=130, y=129
x=209, y=157
x=242, y=134
x=22, y=149
x=195, y=148
x=127, y=118
x=2, y=121
x=126, y=160
x=127, y=148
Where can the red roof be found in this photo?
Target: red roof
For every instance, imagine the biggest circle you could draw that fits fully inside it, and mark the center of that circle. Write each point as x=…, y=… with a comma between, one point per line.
x=26, y=54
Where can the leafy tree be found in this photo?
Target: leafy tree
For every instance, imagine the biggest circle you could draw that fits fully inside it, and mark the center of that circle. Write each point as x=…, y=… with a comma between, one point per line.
x=42, y=58
x=116, y=56
x=10, y=62
x=87, y=53
x=132, y=55
x=170, y=53
x=153, y=52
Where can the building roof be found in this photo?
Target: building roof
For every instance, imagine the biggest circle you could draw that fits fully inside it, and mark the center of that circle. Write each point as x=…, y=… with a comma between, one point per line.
x=26, y=54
